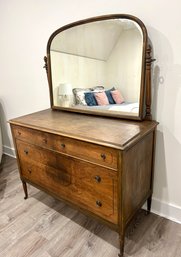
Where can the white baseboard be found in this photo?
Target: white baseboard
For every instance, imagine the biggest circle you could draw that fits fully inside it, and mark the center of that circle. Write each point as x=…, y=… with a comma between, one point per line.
x=161, y=208
x=9, y=151
x=167, y=210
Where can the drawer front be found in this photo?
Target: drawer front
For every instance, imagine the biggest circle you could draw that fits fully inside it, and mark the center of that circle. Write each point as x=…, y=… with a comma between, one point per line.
x=89, y=186
x=87, y=151
x=58, y=181
x=95, y=178
x=96, y=188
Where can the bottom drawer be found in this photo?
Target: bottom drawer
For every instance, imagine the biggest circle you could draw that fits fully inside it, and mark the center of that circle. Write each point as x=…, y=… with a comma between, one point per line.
x=66, y=184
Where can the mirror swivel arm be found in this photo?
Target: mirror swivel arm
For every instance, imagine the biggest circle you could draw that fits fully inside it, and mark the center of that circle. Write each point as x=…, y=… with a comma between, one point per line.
x=46, y=64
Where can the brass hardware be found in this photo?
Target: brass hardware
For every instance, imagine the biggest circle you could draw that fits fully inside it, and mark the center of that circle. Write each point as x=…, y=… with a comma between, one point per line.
x=63, y=145
x=98, y=203
x=98, y=179
x=26, y=151
x=103, y=156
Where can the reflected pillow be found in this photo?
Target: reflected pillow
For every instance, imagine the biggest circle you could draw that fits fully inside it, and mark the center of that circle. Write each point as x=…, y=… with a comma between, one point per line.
x=77, y=89
x=101, y=98
x=97, y=88
x=116, y=95
x=90, y=99
x=79, y=95
x=109, y=95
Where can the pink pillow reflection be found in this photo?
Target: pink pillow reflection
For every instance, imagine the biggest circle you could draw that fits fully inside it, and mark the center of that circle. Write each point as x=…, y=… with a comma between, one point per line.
x=117, y=97
x=101, y=98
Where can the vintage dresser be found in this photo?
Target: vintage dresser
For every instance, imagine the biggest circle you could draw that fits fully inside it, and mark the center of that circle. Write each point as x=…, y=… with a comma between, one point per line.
x=101, y=165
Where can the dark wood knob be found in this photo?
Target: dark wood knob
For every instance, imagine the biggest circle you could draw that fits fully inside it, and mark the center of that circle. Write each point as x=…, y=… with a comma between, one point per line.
x=98, y=203
x=19, y=133
x=29, y=171
x=45, y=140
x=63, y=145
x=26, y=151
x=103, y=156
x=98, y=179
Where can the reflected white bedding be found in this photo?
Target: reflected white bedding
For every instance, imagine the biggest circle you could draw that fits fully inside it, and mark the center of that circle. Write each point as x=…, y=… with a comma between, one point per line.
x=124, y=107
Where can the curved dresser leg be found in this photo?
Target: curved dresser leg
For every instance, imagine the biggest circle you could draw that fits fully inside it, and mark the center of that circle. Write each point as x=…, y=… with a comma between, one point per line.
x=25, y=190
x=149, y=200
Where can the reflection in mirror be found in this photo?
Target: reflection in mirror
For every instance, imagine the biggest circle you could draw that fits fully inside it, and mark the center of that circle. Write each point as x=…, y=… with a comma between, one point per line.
x=98, y=66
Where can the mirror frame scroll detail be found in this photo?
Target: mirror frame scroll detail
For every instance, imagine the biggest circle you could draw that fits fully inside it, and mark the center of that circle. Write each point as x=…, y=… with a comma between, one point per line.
x=145, y=87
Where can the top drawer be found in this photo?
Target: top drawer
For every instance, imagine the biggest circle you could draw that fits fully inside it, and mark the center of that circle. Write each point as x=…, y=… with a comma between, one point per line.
x=87, y=151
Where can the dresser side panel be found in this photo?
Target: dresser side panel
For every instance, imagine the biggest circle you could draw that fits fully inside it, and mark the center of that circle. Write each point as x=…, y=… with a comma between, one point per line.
x=137, y=176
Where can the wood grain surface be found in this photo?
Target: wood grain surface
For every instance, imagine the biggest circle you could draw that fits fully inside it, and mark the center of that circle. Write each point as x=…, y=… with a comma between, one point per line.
x=86, y=146
x=44, y=227
x=70, y=179
x=110, y=132
x=97, y=154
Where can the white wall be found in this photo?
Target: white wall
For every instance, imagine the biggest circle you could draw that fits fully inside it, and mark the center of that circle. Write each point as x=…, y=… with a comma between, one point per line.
x=124, y=66
x=25, y=28
x=81, y=72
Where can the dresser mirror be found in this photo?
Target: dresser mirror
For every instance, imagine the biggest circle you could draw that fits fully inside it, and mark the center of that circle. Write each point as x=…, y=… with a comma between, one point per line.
x=98, y=66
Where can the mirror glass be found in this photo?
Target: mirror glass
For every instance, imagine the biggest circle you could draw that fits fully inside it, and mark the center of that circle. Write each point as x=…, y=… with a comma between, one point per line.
x=97, y=67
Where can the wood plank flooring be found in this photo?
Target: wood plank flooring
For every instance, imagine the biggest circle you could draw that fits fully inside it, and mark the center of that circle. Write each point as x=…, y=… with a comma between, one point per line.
x=44, y=227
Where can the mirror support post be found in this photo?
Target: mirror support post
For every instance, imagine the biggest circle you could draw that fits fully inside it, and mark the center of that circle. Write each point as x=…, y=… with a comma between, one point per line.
x=47, y=68
x=148, y=83
x=149, y=61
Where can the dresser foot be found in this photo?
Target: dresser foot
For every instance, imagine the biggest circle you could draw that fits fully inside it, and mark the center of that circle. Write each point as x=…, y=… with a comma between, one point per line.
x=121, y=241
x=149, y=201
x=25, y=190
x=121, y=254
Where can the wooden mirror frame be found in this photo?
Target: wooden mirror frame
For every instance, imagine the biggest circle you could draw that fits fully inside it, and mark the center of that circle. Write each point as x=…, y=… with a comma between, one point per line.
x=145, y=88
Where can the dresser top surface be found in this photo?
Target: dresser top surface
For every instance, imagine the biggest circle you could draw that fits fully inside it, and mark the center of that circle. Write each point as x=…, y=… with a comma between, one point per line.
x=100, y=130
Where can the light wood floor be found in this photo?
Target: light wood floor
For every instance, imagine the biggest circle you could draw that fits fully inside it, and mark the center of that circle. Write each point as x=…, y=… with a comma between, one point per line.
x=44, y=227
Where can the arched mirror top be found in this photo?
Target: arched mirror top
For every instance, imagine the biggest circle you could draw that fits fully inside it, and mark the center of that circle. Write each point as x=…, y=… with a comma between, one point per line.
x=98, y=66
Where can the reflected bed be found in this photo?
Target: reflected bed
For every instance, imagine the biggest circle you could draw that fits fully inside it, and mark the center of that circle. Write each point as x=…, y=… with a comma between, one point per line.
x=124, y=107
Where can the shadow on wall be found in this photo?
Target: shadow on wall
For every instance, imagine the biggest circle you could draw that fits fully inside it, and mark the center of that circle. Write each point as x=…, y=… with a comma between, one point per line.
x=166, y=82
x=166, y=106
x=155, y=85
x=160, y=178
x=4, y=127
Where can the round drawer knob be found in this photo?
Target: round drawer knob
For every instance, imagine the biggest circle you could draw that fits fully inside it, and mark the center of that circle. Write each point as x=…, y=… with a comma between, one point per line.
x=45, y=140
x=19, y=133
x=26, y=151
x=98, y=179
x=62, y=145
x=103, y=156
x=98, y=203
x=29, y=171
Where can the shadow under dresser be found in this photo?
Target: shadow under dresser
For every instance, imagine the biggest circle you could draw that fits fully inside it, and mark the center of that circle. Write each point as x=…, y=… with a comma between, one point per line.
x=102, y=166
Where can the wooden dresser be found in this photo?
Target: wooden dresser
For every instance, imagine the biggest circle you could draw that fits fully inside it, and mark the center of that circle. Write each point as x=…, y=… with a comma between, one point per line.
x=102, y=166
